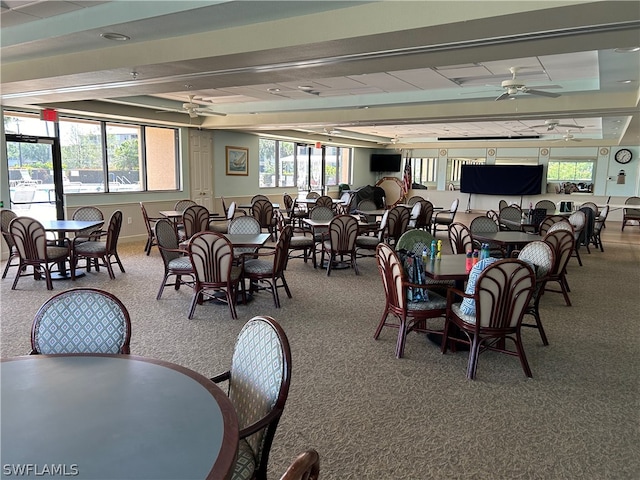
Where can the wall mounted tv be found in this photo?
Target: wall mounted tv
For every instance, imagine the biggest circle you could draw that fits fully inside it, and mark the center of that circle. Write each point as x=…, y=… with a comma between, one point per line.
x=501, y=179
x=385, y=162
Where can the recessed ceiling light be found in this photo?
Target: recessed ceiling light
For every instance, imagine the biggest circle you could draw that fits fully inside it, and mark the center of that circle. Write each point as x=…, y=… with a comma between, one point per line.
x=305, y=87
x=117, y=37
x=273, y=90
x=627, y=49
x=624, y=81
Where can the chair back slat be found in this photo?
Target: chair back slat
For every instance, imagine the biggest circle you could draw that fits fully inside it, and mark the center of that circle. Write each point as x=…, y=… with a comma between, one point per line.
x=195, y=219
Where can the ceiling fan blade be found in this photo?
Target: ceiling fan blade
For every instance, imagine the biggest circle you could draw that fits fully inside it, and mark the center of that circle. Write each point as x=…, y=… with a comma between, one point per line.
x=503, y=96
x=541, y=93
x=192, y=114
x=568, y=125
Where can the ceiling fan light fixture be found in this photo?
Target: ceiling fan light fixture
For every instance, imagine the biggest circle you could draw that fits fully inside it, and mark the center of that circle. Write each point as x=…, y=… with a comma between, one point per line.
x=627, y=49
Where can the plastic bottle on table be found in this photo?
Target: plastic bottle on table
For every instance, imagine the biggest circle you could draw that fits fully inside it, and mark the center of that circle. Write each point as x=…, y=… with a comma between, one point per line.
x=425, y=255
x=475, y=258
x=433, y=249
x=439, y=252
x=469, y=262
x=485, y=251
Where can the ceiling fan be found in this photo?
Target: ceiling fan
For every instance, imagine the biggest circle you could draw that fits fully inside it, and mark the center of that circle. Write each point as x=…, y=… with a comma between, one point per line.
x=391, y=141
x=554, y=124
x=568, y=137
x=194, y=110
x=513, y=86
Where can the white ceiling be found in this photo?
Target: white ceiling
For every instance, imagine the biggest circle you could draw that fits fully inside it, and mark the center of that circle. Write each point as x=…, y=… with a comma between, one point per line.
x=382, y=73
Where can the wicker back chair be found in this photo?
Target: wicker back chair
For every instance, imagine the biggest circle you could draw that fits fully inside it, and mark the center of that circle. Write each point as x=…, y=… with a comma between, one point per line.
x=212, y=258
x=631, y=212
x=563, y=243
x=176, y=263
x=5, y=219
x=103, y=245
x=410, y=316
x=195, y=219
x=341, y=240
x=460, y=238
x=149, y=223
x=30, y=240
x=501, y=293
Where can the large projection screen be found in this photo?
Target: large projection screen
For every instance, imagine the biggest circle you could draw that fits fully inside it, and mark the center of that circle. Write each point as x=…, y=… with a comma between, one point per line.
x=501, y=179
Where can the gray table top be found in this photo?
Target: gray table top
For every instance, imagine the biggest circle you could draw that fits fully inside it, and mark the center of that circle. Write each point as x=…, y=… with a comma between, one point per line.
x=69, y=225
x=115, y=417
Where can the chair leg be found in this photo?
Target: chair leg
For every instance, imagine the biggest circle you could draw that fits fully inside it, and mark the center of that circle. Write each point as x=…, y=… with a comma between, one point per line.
x=194, y=301
x=231, y=300
x=402, y=337
x=385, y=314
x=522, y=356
x=354, y=265
x=474, y=352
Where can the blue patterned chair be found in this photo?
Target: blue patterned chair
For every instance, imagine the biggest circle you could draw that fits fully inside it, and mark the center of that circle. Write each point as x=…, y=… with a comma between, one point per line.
x=176, y=262
x=258, y=386
x=497, y=295
x=81, y=320
x=542, y=256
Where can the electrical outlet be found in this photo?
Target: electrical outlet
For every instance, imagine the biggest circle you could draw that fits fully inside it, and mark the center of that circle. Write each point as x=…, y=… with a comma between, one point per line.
x=129, y=220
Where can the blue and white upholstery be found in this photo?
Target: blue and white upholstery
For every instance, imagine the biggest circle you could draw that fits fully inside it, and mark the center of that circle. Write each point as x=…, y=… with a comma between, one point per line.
x=81, y=320
x=258, y=383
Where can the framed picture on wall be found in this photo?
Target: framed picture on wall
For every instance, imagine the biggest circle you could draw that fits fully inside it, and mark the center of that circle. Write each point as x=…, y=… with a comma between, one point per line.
x=237, y=161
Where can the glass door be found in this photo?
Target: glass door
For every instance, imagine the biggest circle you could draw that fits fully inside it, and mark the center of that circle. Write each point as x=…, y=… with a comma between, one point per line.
x=35, y=176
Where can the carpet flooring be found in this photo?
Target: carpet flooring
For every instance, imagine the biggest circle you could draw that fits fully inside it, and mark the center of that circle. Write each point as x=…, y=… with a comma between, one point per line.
x=372, y=416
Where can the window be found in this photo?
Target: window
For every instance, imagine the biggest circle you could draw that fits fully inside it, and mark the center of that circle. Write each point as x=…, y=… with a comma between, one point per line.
x=454, y=166
x=100, y=156
x=424, y=170
x=570, y=170
x=287, y=164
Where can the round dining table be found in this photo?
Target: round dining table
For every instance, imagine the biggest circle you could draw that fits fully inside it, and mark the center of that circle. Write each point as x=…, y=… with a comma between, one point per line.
x=113, y=417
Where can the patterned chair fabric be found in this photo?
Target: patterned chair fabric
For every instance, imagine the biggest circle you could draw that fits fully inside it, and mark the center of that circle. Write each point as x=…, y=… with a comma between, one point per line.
x=211, y=255
x=563, y=243
x=258, y=386
x=195, y=219
x=550, y=220
x=149, y=223
x=502, y=204
x=33, y=250
x=321, y=214
x=367, y=206
x=270, y=267
x=541, y=255
x=548, y=205
x=410, y=316
x=262, y=210
x=97, y=249
x=513, y=217
x=631, y=212
x=182, y=205
x=88, y=213
x=5, y=219
x=416, y=241
x=484, y=224
x=445, y=218
x=176, y=263
x=502, y=293
x=460, y=238
x=341, y=240
x=493, y=215
x=81, y=320
x=244, y=225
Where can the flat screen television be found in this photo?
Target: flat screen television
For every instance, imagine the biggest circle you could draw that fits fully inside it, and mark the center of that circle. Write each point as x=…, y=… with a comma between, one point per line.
x=501, y=179
x=385, y=162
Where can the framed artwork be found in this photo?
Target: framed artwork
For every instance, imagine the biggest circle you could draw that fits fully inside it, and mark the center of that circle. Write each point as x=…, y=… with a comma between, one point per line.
x=237, y=161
